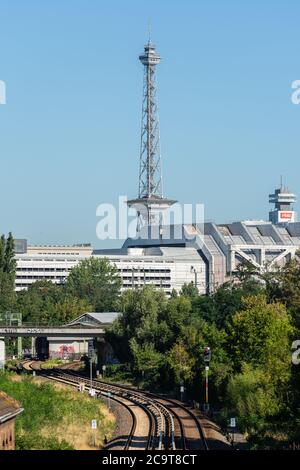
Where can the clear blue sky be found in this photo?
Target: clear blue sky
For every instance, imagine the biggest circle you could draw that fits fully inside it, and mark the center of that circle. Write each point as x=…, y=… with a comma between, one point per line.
x=69, y=133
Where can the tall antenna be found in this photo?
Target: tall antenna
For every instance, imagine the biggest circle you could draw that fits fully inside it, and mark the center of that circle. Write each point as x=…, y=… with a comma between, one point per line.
x=149, y=31
x=150, y=202
x=150, y=179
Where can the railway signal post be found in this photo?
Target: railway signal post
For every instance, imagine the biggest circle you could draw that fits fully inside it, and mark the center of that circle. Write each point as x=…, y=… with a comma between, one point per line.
x=207, y=359
x=181, y=391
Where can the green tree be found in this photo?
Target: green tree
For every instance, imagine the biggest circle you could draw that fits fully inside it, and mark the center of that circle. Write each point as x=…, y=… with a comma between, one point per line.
x=139, y=320
x=196, y=336
x=146, y=358
x=9, y=265
x=177, y=313
x=246, y=272
x=97, y=281
x=285, y=287
x=252, y=397
x=225, y=302
x=46, y=302
x=189, y=290
x=259, y=335
x=181, y=362
x=7, y=273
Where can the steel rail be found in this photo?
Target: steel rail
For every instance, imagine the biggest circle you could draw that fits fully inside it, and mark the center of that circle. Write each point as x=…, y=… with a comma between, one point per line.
x=161, y=413
x=118, y=400
x=173, y=402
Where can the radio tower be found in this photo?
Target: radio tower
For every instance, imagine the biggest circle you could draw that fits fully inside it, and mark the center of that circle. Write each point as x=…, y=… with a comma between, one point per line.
x=150, y=203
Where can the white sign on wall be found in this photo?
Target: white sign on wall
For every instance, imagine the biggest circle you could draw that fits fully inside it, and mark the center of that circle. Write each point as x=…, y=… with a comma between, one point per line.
x=286, y=216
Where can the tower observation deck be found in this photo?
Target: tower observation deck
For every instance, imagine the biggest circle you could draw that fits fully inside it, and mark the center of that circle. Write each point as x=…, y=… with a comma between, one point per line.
x=150, y=202
x=283, y=212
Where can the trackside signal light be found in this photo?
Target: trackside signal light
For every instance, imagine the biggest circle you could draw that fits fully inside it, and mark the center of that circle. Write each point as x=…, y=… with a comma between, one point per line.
x=207, y=355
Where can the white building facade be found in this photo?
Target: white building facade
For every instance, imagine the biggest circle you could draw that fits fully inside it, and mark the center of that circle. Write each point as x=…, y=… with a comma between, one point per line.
x=208, y=256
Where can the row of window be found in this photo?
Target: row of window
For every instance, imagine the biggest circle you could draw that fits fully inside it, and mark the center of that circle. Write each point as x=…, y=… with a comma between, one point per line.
x=46, y=270
x=48, y=260
x=124, y=260
x=146, y=278
x=125, y=278
x=77, y=260
x=146, y=270
x=39, y=278
x=127, y=281
x=58, y=254
x=50, y=270
x=53, y=275
x=165, y=286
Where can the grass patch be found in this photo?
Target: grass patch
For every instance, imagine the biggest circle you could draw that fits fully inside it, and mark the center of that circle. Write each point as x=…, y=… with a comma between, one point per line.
x=51, y=363
x=55, y=417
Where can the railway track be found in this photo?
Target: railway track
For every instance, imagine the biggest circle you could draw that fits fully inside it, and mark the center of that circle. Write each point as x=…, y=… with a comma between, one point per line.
x=156, y=422
x=183, y=431
x=148, y=421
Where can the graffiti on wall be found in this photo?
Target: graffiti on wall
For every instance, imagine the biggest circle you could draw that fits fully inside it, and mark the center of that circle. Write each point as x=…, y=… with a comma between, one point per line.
x=66, y=351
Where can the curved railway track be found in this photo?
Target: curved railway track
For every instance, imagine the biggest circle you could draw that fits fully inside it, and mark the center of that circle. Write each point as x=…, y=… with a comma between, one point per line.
x=147, y=421
x=183, y=431
x=157, y=422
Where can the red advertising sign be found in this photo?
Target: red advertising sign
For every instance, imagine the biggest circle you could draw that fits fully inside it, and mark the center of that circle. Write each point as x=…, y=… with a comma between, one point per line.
x=286, y=215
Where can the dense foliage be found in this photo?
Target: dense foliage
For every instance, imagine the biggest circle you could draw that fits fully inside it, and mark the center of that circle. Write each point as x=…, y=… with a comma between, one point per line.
x=7, y=273
x=96, y=281
x=249, y=323
x=92, y=285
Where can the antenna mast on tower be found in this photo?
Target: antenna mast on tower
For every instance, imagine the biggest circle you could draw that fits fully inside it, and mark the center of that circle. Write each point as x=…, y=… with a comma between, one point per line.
x=150, y=202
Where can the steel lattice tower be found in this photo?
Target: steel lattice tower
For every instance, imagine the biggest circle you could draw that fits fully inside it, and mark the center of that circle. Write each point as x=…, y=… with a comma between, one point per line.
x=150, y=202
x=150, y=178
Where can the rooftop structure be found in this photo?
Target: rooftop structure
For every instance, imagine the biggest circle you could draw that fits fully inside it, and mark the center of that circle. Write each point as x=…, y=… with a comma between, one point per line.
x=94, y=318
x=283, y=212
